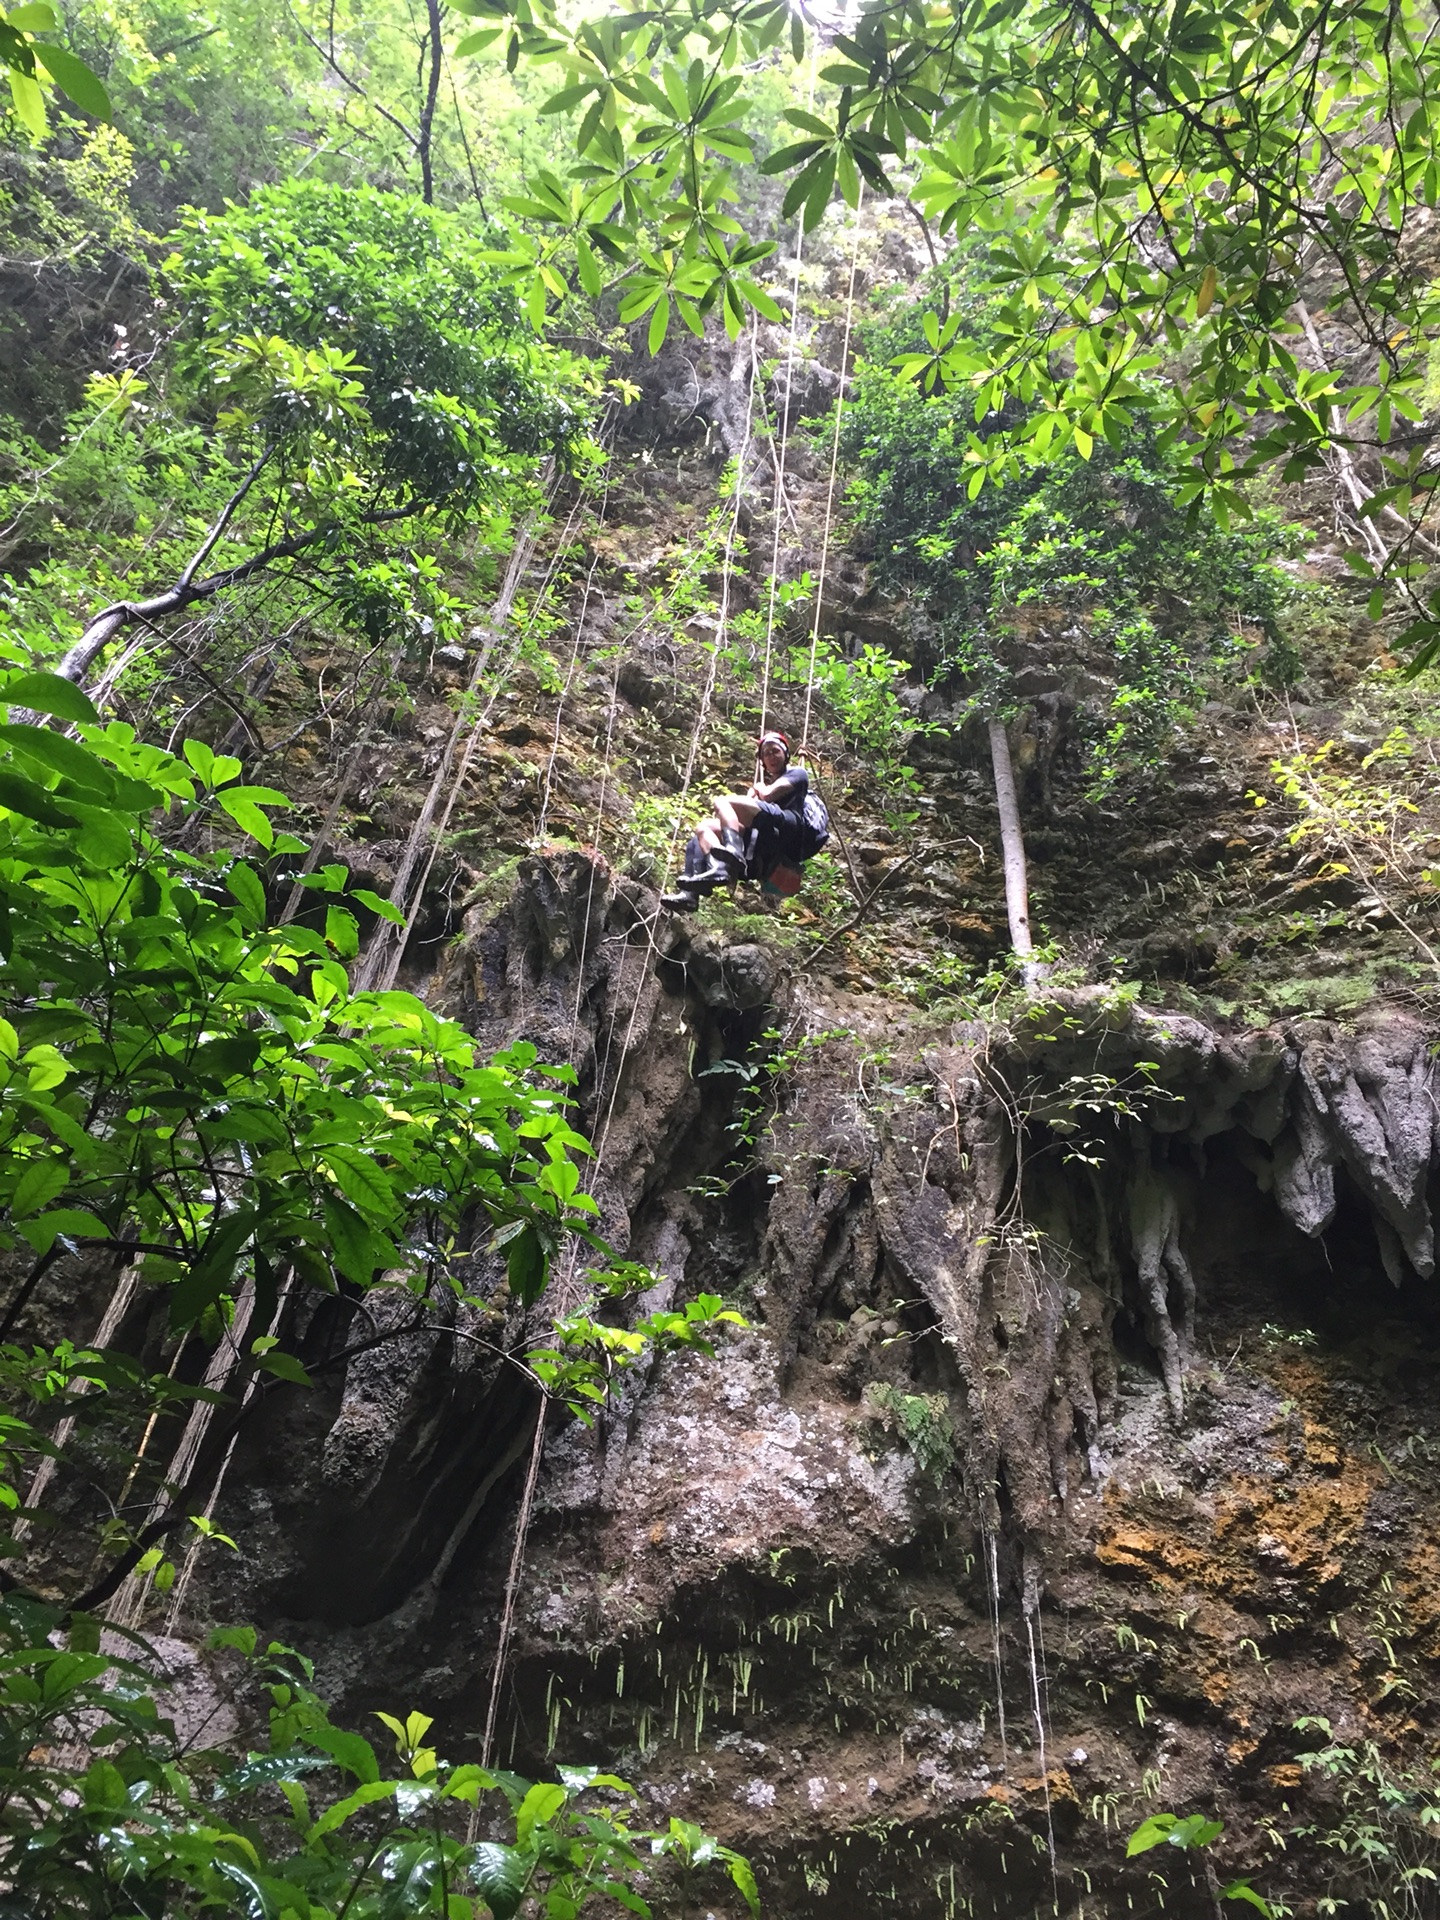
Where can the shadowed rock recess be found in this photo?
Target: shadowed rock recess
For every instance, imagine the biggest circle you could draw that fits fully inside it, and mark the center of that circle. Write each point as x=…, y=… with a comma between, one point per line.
x=1076, y=1450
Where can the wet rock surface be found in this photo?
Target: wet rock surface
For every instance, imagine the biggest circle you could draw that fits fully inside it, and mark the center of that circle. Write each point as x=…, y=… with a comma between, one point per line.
x=1056, y=1480
x=1083, y=1440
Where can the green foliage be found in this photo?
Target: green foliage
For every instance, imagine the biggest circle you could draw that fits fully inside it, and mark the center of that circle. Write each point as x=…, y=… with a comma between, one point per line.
x=1378, y=1829
x=1366, y=826
x=312, y=1820
x=32, y=65
x=1193, y=1831
x=1150, y=593
x=185, y=1079
x=922, y=1421
x=403, y=294
x=352, y=377
x=863, y=693
x=1055, y=131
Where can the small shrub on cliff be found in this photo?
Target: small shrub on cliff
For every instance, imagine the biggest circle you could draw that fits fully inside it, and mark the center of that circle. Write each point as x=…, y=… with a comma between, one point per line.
x=921, y=1420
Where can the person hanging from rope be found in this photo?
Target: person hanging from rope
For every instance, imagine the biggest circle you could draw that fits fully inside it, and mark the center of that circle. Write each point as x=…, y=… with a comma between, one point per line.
x=769, y=831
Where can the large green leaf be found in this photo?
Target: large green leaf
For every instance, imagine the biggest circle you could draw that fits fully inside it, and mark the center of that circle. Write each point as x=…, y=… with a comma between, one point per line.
x=48, y=693
x=501, y=1875
x=72, y=76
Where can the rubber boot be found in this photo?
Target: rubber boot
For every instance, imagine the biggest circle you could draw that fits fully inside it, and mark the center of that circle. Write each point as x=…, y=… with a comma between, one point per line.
x=701, y=875
x=690, y=886
x=731, y=853
x=696, y=858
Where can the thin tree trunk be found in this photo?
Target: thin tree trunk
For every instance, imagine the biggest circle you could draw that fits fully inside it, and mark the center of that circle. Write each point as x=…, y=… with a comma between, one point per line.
x=424, y=144
x=1012, y=852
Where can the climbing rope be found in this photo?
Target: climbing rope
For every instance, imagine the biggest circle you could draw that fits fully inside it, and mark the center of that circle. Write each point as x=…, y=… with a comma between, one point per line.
x=527, y=1497
x=834, y=469
x=584, y=608
x=381, y=963
x=781, y=500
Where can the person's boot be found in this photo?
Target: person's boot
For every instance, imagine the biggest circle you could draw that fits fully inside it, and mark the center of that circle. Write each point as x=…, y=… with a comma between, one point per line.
x=702, y=874
x=697, y=859
x=731, y=853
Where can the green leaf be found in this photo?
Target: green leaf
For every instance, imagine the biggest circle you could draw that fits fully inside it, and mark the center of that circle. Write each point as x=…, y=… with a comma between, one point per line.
x=24, y=797
x=249, y=893
x=1151, y=1833
x=501, y=1875
x=105, y=839
x=743, y=1876
x=361, y=1181
x=351, y=1243
x=351, y=1750
x=760, y=300
x=243, y=806
x=38, y=1186
x=78, y=1224
x=1242, y=1890
x=538, y=1809
x=58, y=754
x=284, y=1366
x=386, y=909
x=48, y=693
x=341, y=932
x=73, y=77
x=525, y=1265
x=588, y=267
x=213, y=1273
x=336, y=1816
x=29, y=101
x=659, y=325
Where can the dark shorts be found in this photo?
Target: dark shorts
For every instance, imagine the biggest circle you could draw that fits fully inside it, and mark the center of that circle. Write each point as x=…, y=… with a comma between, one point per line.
x=779, y=835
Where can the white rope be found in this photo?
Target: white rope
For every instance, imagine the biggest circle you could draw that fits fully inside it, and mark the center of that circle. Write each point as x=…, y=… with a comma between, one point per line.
x=834, y=469
x=781, y=501
x=584, y=608
x=527, y=1498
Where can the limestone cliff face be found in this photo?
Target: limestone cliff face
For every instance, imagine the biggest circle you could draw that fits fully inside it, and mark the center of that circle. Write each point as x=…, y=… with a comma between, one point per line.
x=1077, y=1450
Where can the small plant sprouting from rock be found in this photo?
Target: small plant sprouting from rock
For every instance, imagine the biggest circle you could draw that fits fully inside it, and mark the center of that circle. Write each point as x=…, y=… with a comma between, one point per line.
x=922, y=1421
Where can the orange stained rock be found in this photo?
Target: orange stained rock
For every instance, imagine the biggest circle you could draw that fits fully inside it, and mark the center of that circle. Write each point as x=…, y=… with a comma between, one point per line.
x=1216, y=1687
x=1287, y=1774
x=1057, y=1780
x=1313, y=1530
x=1143, y=1550
x=1322, y=1449
x=1418, y=1587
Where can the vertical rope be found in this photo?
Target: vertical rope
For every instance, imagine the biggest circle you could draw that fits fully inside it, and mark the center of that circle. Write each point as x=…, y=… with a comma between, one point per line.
x=512, y=1587
x=834, y=469
x=527, y=1497
x=780, y=500
x=115, y=1310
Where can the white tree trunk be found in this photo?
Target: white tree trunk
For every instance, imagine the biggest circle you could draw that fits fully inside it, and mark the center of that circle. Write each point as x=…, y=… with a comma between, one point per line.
x=1012, y=852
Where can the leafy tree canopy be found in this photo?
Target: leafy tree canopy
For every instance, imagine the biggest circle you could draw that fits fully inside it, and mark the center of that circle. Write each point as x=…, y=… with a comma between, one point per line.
x=1153, y=188
x=1152, y=592
x=350, y=366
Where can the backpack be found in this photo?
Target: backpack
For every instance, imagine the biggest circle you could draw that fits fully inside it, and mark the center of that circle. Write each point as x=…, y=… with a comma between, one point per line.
x=817, y=827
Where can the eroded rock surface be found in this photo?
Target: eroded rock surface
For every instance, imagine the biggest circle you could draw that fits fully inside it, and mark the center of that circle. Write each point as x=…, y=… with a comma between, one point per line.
x=1045, y=1489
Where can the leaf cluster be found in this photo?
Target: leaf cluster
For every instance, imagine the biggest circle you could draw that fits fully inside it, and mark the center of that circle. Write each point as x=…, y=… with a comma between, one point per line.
x=311, y=1821
x=1149, y=589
